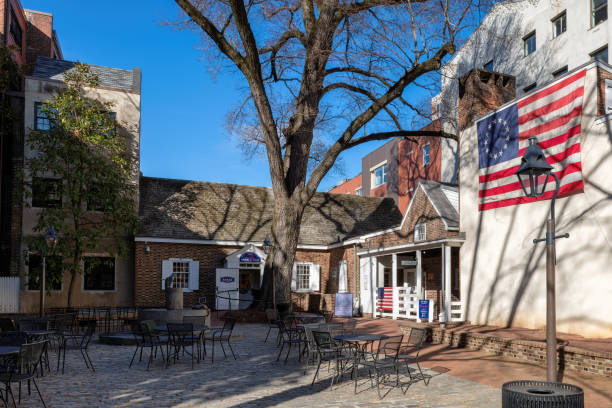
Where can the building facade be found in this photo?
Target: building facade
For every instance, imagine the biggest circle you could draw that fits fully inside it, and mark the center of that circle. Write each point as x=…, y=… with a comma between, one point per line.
x=111, y=284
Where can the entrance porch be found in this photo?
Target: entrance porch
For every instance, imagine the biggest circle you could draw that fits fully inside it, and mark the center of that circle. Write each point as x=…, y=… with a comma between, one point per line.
x=406, y=277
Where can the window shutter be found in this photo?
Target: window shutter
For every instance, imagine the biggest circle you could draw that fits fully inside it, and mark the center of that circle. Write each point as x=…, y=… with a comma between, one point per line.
x=294, y=277
x=343, y=278
x=608, y=96
x=315, y=274
x=194, y=275
x=166, y=271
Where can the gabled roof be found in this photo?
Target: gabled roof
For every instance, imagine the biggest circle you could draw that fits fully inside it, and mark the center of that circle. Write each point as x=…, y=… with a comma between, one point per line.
x=50, y=68
x=444, y=198
x=193, y=210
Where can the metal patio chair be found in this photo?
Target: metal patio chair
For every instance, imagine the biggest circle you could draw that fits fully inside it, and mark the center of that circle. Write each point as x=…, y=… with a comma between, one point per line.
x=221, y=335
x=381, y=361
x=290, y=337
x=23, y=368
x=76, y=341
x=273, y=320
x=331, y=352
x=409, y=352
x=181, y=338
x=146, y=337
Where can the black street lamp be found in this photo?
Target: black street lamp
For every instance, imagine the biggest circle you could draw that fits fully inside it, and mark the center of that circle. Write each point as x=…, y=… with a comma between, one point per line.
x=533, y=174
x=267, y=248
x=50, y=240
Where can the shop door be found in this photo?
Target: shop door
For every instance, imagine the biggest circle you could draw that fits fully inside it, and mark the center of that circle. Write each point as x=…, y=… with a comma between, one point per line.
x=227, y=289
x=365, y=285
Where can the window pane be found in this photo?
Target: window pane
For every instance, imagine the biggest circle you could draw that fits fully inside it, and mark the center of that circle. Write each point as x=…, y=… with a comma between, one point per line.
x=560, y=72
x=599, y=11
x=303, y=276
x=530, y=44
x=384, y=171
x=99, y=273
x=488, y=66
x=41, y=121
x=180, y=277
x=46, y=193
x=425, y=155
x=560, y=25
x=601, y=55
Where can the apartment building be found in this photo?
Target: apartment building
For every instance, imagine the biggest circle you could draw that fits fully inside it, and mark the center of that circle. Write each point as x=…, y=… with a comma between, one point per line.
x=533, y=41
x=29, y=34
x=395, y=168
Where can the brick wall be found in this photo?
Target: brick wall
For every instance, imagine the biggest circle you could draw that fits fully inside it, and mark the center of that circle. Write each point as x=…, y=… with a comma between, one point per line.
x=602, y=75
x=40, y=37
x=348, y=187
x=147, y=281
x=569, y=358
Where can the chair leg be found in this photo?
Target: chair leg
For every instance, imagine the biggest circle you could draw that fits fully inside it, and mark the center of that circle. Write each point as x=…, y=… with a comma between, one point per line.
x=90, y=362
x=288, y=351
x=134, y=355
x=39, y=394
x=222, y=348
x=269, y=329
x=316, y=373
x=421, y=371
x=231, y=349
x=150, y=358
x=279, y=352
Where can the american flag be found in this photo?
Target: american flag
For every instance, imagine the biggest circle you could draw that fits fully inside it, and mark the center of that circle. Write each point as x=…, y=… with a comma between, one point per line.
x=385, y=298
x=553, y=115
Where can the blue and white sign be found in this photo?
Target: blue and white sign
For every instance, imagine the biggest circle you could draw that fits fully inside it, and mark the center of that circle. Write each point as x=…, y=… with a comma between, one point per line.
x=344, y=305
x=423, y=309
x=250, y=257
x=227, y=279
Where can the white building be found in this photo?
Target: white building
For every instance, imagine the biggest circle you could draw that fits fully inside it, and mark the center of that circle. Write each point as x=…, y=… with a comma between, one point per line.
x=532, y=40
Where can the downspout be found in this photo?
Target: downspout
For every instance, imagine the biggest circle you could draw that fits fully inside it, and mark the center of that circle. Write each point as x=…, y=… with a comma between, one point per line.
x=355, y=302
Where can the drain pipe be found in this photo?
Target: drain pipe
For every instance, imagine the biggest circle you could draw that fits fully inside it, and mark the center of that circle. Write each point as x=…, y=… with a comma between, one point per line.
x=355, y=278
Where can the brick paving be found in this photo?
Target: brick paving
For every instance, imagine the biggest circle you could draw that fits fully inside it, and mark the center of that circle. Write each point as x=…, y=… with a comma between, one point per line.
x=254, y=380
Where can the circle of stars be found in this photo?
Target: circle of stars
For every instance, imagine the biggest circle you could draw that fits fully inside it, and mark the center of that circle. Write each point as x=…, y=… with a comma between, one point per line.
x=490, y=149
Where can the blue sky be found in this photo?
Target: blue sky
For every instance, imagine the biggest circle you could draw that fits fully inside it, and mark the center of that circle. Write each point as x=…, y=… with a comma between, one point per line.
x=183, y=106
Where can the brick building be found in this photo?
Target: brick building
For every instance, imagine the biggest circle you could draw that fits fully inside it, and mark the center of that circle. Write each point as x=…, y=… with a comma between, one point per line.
x=30, y=34
x=197, y=230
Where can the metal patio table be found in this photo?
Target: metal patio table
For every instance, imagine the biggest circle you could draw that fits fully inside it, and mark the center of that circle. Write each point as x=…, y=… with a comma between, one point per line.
x=197, y=328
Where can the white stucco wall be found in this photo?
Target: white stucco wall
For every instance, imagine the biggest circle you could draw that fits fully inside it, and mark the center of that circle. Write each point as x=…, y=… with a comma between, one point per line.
x=503, y=273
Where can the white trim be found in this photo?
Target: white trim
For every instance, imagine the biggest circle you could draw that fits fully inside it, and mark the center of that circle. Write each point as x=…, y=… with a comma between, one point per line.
x=377, y=233
x=414, y=246
x=242, y=243
x=438, y=211
x=382, y=163
x=432, y=203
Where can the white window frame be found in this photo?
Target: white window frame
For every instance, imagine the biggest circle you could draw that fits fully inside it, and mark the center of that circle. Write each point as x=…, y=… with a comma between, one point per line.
x=420, y=232
x=558, y=17
x=593, y=11
x=428, y=147
x=608, y=96
x=383, y=167
x=359, y=191
x=299, y=265
x=193, y=265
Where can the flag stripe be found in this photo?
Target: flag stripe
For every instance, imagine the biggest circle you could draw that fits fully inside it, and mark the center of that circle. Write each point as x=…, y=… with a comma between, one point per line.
x=552, y=89
x=566, y=190
x=551, y=107
x=553, y=124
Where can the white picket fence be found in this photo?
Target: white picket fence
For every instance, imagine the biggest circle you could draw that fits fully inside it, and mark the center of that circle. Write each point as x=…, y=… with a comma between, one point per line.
x=456, y=314
x=406, y=306
x=9, y=294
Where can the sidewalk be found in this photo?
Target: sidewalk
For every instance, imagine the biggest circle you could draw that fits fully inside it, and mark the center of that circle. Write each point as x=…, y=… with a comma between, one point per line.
x=489, y=369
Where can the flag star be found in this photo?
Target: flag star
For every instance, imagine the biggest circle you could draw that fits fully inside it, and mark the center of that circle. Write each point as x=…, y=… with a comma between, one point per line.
x=487, y=150
x=508, y=138
x=505, y=146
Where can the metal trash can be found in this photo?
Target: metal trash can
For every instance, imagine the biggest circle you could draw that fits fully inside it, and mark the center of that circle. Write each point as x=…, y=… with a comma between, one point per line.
x=541, y=394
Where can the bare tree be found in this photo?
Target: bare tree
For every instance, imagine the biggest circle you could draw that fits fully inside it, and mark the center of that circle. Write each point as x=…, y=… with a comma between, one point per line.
x=325, y=67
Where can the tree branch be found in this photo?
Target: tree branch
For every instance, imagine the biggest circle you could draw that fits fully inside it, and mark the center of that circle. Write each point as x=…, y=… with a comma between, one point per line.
x=400, y=133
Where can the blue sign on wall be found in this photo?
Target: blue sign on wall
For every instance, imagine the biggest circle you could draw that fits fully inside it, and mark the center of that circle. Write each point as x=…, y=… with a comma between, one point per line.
x=424, y=309
x=344, y=305
x=249, y=257
x=227, y=279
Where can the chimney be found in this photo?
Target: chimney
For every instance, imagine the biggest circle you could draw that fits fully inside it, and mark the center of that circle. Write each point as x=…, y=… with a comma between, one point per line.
x=481, y=91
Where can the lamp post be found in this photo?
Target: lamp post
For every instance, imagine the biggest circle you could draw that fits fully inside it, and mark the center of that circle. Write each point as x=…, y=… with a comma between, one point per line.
x=50, y=241
x=267, y=247
x=533, y=174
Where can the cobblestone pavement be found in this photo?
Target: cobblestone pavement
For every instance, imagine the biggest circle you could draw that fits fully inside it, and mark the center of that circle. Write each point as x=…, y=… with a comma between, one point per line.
x=254, y=380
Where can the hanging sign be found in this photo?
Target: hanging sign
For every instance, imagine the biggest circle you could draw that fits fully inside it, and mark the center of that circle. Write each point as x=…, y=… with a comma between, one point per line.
x=344, y=305
x=423, y=309
x=227, y=279
x=408, y=263
x=249, y=257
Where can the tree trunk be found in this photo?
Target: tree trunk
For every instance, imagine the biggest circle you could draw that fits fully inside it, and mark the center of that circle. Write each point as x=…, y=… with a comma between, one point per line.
x=279, y=263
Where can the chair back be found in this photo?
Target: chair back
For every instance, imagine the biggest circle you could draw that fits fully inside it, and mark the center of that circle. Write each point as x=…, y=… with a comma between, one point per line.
x=13, y=338
x=328, y=315
x=323, y=339
x=33, y=324
x=30, y=356
x=147, y=330
x=390, y=347
x=271, y=315
x=416, y=338
x=7, y=324
x=228, y=327
x=180, y=332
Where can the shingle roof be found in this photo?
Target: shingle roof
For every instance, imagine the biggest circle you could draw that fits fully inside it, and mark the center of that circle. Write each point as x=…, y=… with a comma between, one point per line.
x=51, y=68
x=182, y=209
x=445, y=200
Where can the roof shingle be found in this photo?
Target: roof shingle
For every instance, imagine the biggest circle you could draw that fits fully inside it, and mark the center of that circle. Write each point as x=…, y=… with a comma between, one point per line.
x=182, y=209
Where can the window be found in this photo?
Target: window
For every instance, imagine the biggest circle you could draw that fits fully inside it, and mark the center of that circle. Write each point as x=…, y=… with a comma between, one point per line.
x=113, y=130
x=488, y=66
x=303, y=276
x=16, y=29
x=41, y=120
x=599, y=11
x=53, y=272
x=46, y=192
x=99, y=273
x=420, y=232
x=180, y=275
x=425, y=155
x=98, y=199
x=529, y=43
x=530, y=87
x=380, y=175
x=601, y=54
x=559, y=72
x=359, y=191
x=559, y=24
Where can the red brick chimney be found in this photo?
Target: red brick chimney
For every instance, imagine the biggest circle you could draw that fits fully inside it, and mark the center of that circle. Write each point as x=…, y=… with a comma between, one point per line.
x=481, y=91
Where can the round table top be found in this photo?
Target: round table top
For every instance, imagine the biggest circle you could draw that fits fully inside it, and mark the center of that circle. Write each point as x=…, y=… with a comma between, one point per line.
x=6, y=350
x=319, y=324
x=357, y=337
x=38, y=332
x=196, y=327
x=298, y=315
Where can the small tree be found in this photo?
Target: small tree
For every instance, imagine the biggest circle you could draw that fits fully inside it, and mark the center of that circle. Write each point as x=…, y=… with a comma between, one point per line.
x=84, y=151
